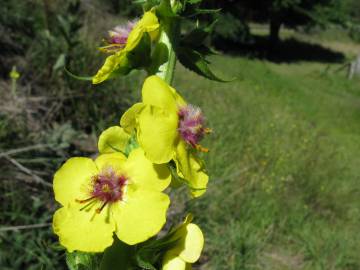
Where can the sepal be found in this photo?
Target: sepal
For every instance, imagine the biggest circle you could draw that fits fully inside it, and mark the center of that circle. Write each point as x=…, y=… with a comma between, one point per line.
x=164, y=9
x=140, y=57
x=118, y=256
x=83, y=261
x=177, y=180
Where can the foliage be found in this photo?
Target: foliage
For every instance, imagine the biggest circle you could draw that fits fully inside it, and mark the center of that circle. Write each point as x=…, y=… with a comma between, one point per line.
x=292, y=13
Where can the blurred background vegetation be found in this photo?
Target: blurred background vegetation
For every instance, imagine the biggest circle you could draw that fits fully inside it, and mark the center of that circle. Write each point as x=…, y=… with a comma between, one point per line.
x=284, y=163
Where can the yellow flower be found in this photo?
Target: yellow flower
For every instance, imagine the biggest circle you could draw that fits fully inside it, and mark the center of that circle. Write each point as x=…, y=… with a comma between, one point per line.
x=125, y=44
x=168, y=128
x=111, y=194
x=187, y=249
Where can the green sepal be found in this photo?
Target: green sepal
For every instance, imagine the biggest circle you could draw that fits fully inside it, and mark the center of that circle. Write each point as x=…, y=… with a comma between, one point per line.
x=196, y=62
x=140, y=56
x=81, y=78
x=194, y=1
x=147, y=4
x=149, y=254
x=145, y=259
x=83, y=261
x=118, y=256
x=164, y=9
x=131, y=145
x=177, y=181
x=159, y=56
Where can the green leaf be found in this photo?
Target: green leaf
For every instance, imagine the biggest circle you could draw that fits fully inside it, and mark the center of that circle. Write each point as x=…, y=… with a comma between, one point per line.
x=197, y=36
x=82, y=261
x=193, y=10
x=118, y=256
x=194, y=61
x=60, y=62
x=205, y=51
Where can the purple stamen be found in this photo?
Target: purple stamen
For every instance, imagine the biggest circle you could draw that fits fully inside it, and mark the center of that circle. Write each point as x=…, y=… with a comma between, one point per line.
x=191, y=124
x=108, y=186
x=118, y=37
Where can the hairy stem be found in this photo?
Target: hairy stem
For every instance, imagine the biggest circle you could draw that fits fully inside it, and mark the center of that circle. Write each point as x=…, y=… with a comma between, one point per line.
x=166, y=70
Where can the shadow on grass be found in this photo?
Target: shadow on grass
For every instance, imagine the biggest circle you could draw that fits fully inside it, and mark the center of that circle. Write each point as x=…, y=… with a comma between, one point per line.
x=286, y=50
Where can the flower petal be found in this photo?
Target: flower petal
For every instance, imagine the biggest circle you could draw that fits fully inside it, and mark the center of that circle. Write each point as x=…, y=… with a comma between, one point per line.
x=83, y=230
x=192, y=243
x=158, y=133
x=180, y=102
x=190, y=168
x=72, y=179
x=128, y=120
x=140, y=216
x=157, y=92
x=172, y=262
x=112, y=63
x=114, y=161
x=150, y=23
x=113, y=139
x=142, y=172
x=134, y=38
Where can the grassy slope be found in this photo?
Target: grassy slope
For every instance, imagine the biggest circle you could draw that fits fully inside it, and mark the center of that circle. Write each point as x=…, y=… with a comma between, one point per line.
x=284, y=166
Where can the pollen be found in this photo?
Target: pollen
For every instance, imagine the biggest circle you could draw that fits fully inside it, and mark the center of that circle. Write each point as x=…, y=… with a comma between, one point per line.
x=192, y=126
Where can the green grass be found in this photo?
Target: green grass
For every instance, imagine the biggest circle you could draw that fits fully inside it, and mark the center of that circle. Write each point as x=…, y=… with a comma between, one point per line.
x=284, y=166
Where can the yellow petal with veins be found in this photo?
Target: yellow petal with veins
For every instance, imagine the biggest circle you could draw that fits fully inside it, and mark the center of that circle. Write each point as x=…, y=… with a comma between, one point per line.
x=72, y=180
x=141, y=215
x=151, y=176
x=83, y=230
x=157, y=133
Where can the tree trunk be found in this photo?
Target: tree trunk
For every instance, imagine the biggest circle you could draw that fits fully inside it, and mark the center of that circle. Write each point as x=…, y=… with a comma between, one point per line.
x=275, y=25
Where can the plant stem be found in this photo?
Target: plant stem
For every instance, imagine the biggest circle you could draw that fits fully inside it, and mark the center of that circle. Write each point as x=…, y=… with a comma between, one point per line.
x=166, y=70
